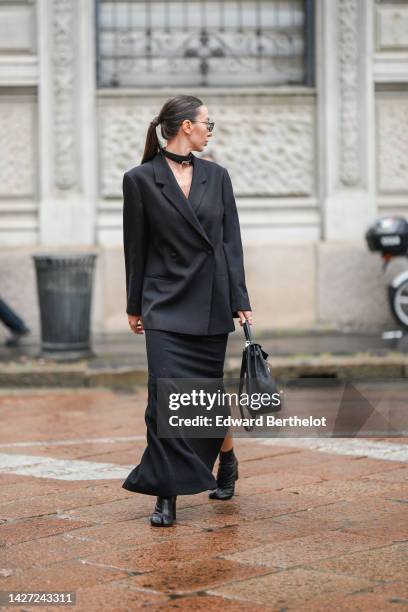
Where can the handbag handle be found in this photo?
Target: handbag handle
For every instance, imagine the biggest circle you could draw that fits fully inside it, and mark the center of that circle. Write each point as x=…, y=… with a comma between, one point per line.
x=247, y=331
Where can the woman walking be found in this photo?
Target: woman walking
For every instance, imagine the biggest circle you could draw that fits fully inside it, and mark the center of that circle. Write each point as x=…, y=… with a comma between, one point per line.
x=185, y=283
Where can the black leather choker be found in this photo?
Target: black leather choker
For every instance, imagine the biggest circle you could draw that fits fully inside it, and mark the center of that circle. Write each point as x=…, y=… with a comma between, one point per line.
x=180, y=159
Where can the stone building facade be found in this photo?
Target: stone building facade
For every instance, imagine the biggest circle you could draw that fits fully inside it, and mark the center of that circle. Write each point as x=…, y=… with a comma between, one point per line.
x=312, y=164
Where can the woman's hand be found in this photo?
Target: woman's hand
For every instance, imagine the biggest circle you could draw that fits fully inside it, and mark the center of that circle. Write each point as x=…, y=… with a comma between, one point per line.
x=136, y=324
x=245, y=315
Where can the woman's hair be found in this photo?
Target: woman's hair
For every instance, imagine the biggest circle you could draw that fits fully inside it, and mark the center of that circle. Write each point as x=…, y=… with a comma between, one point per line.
x=171, y=116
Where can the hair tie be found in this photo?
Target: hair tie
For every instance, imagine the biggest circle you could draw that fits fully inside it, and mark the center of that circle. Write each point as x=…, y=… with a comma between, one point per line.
x=155, y=121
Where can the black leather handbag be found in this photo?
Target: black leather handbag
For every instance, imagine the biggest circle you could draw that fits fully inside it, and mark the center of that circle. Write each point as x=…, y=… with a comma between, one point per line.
x=256, y=378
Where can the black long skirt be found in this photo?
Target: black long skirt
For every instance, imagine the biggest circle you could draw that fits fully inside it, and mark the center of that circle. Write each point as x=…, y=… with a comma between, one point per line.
x=177, y=466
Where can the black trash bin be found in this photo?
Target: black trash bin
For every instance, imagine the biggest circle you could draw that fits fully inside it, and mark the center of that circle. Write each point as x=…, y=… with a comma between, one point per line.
x=64, y=284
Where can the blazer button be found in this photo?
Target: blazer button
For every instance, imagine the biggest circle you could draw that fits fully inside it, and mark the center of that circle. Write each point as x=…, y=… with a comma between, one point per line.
x=173, y=253
x=209, y=251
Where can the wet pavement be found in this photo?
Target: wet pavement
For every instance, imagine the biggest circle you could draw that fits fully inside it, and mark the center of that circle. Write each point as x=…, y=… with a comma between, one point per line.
x=128, y=347
x=119, y=360
x=314, y=525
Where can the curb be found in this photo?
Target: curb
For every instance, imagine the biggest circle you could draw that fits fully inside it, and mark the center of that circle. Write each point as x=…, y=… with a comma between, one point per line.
x=38, y=373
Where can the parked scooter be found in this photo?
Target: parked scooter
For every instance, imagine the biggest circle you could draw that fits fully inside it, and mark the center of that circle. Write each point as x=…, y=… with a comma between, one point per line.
x=389, y=237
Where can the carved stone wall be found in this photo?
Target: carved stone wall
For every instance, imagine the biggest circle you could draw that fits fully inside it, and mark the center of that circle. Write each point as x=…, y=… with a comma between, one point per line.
x=18, y=123
x=267, y=142
x=267, y=145
x=392, y=27
x=66, y=122
x=346, y=118
x=350, y=174
x=17, y=146
x=391, y=125
x=63, y=59
x=392, y=143
x=17, y=29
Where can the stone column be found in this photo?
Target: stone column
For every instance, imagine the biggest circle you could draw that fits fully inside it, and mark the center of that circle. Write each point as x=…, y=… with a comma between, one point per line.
x=67, y=151
x=346, y=117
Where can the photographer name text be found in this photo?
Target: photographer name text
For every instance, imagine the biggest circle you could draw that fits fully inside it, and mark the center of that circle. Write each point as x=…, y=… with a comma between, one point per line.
x=261, y=420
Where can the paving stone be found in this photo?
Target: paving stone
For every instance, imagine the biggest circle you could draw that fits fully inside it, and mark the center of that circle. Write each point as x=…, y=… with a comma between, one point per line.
x=394, y=588
x=209, y=602
x=384, y=597
x=49, y=550
x=352, y=489
x=116, y=596
x=385, y=527
x=389, y=562
x=185, y=577
x=10, y=479
x=248, y=450
x=244, y=508
x=300, y=551
x=31, y=487
x=130, y=456
x=66, y=576
x=398, y=475
x=138, y=508
x=133, y=532
x=290, y=588
x=33, y=529
x=263, y=483
x=132, y=507
x=88, y=411
x=347, y=514
x=190, y=547
x=96, y=451
x=324, y=466
x=60, y=501
x=354, y=602
x=267, y=530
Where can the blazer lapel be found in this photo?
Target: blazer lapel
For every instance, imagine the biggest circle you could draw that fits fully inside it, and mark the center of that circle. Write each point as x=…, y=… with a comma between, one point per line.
x=198, y=184
x=172, y=191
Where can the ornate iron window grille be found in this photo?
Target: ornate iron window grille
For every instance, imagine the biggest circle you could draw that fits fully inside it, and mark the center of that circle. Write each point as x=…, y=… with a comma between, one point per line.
x=204, y=42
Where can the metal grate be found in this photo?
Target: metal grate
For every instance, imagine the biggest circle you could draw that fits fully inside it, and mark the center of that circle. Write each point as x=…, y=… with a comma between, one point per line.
x=206, y=43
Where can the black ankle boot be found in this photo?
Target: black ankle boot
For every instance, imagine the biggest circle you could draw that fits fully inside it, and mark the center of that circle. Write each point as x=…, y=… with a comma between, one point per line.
x=226, y=476
x=164, y=513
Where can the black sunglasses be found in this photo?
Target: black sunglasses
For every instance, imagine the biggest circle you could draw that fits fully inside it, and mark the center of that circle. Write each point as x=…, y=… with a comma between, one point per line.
x=209, y=124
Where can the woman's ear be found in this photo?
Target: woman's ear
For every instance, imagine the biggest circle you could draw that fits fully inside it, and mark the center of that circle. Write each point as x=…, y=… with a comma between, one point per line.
x=186, y=125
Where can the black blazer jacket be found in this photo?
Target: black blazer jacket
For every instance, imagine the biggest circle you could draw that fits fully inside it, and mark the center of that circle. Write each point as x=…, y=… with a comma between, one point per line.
x=183, y=256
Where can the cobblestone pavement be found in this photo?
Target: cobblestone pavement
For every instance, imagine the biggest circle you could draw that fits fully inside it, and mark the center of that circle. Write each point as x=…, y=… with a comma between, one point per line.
x=310, y=527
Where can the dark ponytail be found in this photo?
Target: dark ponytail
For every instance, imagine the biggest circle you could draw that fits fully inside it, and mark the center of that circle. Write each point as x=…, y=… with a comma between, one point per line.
x=171, y=116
